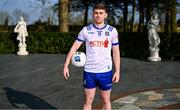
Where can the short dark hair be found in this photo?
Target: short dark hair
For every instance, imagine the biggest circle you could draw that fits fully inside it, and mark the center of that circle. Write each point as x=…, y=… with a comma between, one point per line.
x=100, y=6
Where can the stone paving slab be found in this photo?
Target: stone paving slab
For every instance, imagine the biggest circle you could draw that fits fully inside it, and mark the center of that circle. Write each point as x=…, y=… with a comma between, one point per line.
x=34, y=81
x=141, y=100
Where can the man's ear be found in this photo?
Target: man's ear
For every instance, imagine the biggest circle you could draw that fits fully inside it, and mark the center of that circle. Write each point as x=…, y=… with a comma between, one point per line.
x=106, y=15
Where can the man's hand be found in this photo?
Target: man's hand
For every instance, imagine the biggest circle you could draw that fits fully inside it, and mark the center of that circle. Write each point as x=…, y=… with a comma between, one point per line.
x=66, y=72
x=116, y=77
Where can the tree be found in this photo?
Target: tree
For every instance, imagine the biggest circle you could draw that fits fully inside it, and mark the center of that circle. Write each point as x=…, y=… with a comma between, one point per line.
x=6, y=21
x=4, y=18
x=141, y=15
x=149, y=9
x=47, y=11
x=125, y=13
x=173, y=15
x=170, y=24
x=63, y=15
x=17, y=13
x=133, y=14
x=86, y=2
x=178, y=23
x=83, y=6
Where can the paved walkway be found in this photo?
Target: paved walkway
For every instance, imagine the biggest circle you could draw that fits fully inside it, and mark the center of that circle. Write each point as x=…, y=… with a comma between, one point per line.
x=34, y=82
x=150, y=99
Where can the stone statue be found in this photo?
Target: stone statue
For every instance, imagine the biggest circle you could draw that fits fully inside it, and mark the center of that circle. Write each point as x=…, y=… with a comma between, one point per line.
x=22, y=34
x=153, y=37
x=22, y=31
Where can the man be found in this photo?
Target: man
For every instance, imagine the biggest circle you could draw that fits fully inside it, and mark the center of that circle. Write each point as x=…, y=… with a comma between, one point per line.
x=100, y=39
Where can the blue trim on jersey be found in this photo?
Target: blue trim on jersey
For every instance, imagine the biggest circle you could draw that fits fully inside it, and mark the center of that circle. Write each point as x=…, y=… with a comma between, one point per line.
x=79, y=40
x=99, y=28
x=88, y=27
x=110, y=28
x=115, y=43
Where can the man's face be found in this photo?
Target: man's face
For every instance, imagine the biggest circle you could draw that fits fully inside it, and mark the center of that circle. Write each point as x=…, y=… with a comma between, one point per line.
x=99, y=16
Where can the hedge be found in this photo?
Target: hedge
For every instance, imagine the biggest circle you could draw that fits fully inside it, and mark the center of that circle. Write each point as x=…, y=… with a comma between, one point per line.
x=132, y=45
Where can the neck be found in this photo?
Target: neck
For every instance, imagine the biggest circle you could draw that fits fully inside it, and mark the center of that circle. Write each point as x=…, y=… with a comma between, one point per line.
x=100, y=25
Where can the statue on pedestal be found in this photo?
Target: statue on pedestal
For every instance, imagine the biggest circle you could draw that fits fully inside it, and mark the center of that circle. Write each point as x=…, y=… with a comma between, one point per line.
x=153, y=38
x=22, y=34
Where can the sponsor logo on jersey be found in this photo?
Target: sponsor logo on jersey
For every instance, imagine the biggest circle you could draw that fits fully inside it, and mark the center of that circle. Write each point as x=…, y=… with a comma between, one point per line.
x=90, y=32
x=99, y=43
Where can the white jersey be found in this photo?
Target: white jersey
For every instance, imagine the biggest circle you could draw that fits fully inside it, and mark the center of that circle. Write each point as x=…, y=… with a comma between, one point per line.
x=99, y=42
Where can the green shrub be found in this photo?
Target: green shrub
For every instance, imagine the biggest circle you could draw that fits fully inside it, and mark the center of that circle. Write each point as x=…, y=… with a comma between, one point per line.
x=132, y=45
x=8, y=42
x=136, y=45
x=170, y=45
x=50, y=42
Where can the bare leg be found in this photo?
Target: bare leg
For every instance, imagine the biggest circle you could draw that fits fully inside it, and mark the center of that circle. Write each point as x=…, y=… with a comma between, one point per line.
x=105, y=97
x=89, y=97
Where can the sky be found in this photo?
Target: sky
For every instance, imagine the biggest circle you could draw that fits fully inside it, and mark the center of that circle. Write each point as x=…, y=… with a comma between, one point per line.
x=33, y=8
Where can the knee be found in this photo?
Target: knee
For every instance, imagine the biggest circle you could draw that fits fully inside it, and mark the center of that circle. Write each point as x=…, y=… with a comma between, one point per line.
x=105, y=100
x=88, y=99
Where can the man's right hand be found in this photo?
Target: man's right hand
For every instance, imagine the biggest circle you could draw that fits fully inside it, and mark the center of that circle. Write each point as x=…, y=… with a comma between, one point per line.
x=66, y=72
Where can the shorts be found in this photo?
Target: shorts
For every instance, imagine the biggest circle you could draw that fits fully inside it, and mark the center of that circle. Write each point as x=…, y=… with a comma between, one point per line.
x=101, y=80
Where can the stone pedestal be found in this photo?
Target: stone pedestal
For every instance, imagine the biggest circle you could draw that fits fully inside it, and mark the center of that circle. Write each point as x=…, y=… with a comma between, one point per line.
x=154, y=55
x=22, y=49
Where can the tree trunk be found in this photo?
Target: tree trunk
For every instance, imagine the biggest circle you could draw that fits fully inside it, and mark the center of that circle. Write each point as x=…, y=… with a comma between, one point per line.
x=86, y=13
x=167, y=26
x=133, y=12
x=125, y=26
x=141, y=16
x=63, y=15
x=173, y=15
x=149, y=10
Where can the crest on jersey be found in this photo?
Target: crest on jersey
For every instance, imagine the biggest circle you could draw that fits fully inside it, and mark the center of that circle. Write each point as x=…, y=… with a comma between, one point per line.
x=106, y=33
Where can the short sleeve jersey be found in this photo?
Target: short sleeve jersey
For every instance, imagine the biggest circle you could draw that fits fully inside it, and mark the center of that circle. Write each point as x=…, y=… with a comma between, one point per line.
x=99, y=42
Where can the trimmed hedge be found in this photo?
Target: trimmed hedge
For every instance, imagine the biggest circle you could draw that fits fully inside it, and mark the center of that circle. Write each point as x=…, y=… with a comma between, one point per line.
x=136, y=45
x=8, y=42
x=50, y=42
x=132, y=45
x=44, y=42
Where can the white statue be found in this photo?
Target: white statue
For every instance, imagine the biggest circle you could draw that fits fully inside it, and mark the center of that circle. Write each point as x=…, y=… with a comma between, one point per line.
x=153, y=37
x=22, y=34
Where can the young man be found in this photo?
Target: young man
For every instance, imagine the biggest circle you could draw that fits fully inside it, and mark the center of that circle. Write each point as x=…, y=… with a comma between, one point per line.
x=100, y=39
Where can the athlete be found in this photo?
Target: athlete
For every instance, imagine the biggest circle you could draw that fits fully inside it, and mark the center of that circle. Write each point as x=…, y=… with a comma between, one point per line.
x=100, y=39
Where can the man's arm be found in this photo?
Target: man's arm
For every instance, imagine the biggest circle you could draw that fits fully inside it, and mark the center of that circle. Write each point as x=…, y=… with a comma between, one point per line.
x=116, y=59
x=73, y=49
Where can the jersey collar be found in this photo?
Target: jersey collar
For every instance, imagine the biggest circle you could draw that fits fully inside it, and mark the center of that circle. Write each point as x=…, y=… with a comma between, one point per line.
x=98, y=27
